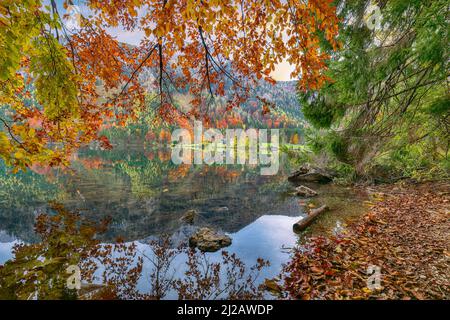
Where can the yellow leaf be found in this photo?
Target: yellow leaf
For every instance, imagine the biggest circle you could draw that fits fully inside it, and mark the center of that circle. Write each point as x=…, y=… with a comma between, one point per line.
x=367, y=290
x=19, y=155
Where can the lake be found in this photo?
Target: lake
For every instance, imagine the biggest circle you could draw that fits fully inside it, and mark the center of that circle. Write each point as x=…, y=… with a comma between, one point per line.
x=145, y=196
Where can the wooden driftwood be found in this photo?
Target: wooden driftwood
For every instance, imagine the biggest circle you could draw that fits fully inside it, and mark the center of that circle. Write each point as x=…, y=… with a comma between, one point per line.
x=304, y=223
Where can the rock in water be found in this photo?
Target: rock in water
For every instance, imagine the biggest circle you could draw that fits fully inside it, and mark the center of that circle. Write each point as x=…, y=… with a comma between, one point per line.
x=189, y=216
x=208, y=240
x=304, y=191
x=311, y=174
x=221, y=209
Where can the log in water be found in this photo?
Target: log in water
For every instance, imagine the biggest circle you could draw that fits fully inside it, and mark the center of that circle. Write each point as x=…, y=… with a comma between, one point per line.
x=304, y=223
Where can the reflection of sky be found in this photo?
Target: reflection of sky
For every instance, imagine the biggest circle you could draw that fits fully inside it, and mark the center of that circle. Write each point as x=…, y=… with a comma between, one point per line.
x=5, y=251
x=264, y=238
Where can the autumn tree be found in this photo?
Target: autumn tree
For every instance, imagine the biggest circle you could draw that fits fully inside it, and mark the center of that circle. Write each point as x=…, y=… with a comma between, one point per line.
x=58, y=87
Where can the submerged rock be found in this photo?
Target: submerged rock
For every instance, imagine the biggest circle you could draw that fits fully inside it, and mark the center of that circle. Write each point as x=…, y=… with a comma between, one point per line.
x=304, y=191
x=208, y=240
x=221, y=209
x=311, y=174
x=181, y=236
x=189, y=216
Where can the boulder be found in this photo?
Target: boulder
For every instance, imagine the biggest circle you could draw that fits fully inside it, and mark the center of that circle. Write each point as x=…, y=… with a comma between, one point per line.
x=208, y=240
x=304, y=191
x=311, y=174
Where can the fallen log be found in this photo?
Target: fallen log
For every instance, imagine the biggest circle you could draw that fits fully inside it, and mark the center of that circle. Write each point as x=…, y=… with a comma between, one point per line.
x=305, y=222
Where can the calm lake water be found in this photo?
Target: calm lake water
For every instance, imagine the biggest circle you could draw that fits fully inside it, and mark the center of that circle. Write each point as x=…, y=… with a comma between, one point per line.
x=145, y=195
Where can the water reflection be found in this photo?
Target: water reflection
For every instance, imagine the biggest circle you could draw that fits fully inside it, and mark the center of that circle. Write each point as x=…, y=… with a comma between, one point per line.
x=145, y=196
x=143, y=193
x=265, y=238
x=155, y=270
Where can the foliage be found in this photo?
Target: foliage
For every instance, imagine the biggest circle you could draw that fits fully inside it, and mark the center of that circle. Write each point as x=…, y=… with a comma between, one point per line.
x=112, y=271
x=34, y=66
x=388, y=102
x=59, y=89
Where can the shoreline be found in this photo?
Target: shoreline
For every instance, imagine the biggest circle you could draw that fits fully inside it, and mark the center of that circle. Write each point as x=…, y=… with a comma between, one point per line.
x=405, y=234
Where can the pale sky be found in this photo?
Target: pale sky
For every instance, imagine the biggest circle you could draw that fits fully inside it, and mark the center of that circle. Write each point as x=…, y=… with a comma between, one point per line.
x=283, y=71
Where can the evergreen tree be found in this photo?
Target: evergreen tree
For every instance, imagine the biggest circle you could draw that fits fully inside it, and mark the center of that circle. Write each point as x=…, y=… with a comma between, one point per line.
x=388, y=102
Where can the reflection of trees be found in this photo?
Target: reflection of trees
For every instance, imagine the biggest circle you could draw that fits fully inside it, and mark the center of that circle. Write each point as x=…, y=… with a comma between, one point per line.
x=21, y=188
x=39, y=270
x=21, y=195
x=143, y=194
x=203, y=279
x=146, y=176
x=154, y=194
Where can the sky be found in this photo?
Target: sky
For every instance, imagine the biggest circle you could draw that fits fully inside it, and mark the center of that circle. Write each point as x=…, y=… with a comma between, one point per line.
x=281, y=73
